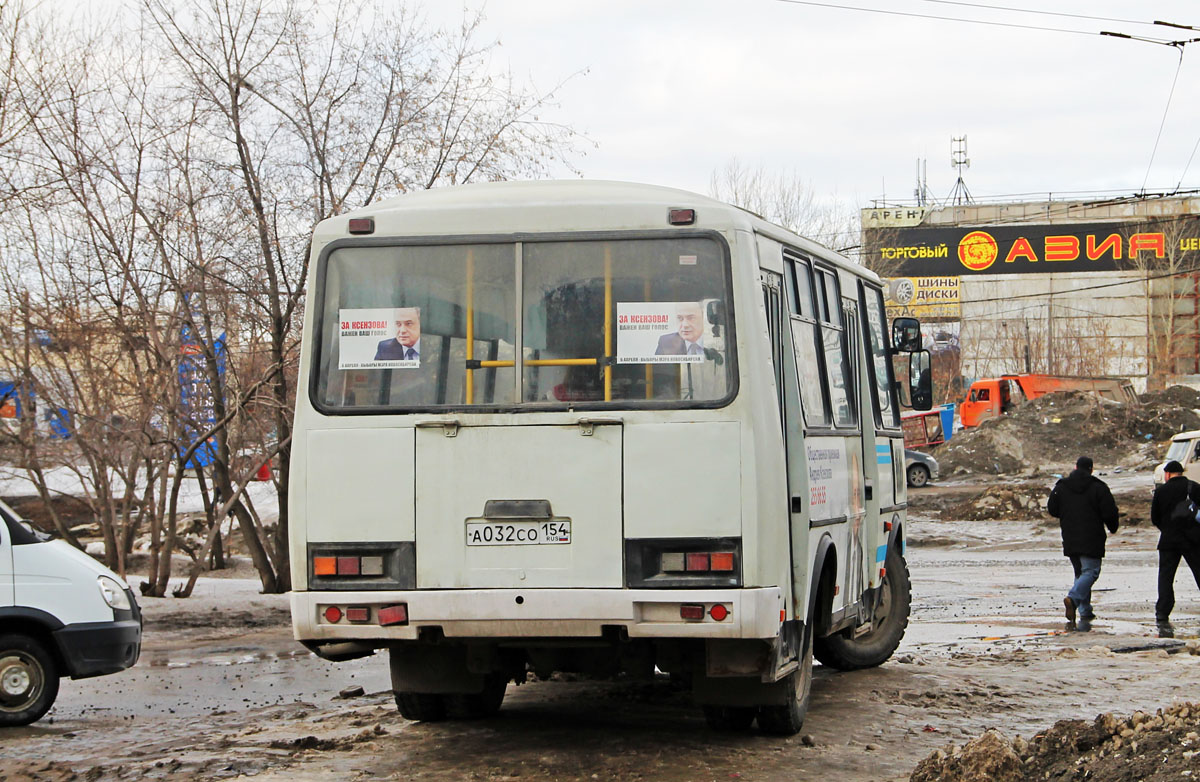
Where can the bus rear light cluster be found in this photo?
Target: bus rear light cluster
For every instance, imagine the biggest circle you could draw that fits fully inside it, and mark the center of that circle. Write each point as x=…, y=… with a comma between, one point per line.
x=358, y=615
x=348, y=566
x=683, y=563
x=394, y=615
x=695, y=612
x=697, y=562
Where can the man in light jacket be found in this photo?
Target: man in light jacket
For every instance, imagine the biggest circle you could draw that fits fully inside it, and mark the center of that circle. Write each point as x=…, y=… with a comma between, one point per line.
x=1083, y=506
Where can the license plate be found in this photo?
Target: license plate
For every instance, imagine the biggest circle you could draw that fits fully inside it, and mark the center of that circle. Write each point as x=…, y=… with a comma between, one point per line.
x=532, y=532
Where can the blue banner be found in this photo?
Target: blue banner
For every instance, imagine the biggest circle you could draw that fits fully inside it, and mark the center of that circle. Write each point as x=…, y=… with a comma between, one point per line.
x=196, y=393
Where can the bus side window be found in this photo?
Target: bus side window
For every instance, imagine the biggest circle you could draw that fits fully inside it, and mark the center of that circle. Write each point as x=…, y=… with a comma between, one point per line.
x=874, y=331
x=833, y=338
x=806, y=341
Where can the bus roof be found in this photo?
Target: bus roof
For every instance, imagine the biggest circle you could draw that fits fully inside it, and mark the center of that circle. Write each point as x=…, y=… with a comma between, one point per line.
x=550, y=206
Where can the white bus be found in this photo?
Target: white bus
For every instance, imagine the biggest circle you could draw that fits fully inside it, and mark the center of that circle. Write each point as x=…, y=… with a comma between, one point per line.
x=599, y=428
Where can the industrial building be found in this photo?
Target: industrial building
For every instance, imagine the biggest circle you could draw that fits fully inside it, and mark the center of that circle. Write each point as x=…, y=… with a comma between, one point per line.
x=1107, y=287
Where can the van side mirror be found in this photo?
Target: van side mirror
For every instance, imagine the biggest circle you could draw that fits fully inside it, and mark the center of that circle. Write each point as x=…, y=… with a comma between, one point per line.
x=920, y=380
x=906, y=335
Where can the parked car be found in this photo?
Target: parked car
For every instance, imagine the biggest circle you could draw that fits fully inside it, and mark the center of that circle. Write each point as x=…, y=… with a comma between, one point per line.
x=919, y=468
x=62, y=613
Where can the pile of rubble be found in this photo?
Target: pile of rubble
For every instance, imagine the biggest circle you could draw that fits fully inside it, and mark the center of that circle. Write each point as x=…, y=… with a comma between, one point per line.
x=1144, y=746
x=1047, y=434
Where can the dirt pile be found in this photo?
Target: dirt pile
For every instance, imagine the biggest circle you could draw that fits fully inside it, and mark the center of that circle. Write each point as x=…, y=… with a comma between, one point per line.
x=1001, y=503
x=1143, y=746
x=1047, y=434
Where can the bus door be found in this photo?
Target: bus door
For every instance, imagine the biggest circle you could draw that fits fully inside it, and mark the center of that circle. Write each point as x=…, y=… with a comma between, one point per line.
x=857, y=491
x=784, y=364
x=550, y=518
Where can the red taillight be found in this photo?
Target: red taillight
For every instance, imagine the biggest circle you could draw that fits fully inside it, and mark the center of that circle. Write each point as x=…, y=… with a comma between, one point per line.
x=324, y=566
x=358, y=614
x=362, y=225
x=722, y=560
x=681, y=216
x=697, y=560
x=333, y=614
x=718, y=612
x=347, y=566
x=394, y=615
x=691, y=611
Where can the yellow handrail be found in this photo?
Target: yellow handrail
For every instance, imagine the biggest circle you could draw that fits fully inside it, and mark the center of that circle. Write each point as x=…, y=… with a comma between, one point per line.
x=608, y=321
x=470, y=323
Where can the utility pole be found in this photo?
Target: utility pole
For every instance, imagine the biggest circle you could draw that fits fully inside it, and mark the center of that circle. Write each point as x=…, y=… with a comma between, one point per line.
x=959, y=194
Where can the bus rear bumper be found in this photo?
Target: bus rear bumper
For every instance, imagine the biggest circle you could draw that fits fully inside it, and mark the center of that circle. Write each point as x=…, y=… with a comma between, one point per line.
x=538, y=613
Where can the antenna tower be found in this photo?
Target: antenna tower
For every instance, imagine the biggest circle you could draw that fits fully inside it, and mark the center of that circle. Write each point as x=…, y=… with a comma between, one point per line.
x=921, y=192
x=958, y=161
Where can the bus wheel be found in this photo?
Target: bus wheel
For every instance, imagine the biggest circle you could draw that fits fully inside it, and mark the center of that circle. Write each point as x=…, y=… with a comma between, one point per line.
x=421, y=706
x=474, y=706
x=728, y=718
x=846, y=653
x=788, y=718
x=28, y=680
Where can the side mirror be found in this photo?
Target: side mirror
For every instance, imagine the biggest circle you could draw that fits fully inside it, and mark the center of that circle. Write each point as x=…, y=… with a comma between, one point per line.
x=906, y=335
x=920, y=380
x=715, y=312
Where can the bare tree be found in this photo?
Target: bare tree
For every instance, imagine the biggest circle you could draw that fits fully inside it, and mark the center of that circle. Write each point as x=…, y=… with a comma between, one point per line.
x=784, y=198
x=311, y=110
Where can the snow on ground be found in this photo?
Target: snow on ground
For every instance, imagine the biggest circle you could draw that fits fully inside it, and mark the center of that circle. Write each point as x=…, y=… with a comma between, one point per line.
x=15, y=482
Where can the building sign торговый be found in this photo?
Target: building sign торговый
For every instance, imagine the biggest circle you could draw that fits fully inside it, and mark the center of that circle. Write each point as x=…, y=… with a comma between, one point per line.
x=1030, y=249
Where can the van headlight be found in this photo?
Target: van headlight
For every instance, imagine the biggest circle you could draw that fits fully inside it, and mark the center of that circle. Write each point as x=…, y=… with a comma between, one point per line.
x=113, y=593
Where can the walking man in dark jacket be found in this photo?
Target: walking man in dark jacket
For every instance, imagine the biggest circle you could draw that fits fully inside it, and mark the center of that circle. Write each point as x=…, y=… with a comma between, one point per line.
x=1083, y=506
x=1179, y=538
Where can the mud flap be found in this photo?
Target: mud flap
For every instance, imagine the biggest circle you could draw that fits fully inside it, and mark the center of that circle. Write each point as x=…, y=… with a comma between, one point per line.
x=745, y=691
x=433, y=669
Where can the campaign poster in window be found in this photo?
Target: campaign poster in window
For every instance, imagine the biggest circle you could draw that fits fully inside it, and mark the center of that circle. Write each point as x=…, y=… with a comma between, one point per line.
x=660, y=332
x=379, y=338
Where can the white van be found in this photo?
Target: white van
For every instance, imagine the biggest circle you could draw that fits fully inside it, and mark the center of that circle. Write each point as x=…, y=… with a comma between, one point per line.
x=1185, y=449
x=61, y=613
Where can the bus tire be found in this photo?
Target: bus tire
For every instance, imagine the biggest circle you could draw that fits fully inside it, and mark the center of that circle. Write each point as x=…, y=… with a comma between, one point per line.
x=847, y=653
x=729, y=718
x=473, y=706
x=28, y=680
x=787, y=719
x=421, y=706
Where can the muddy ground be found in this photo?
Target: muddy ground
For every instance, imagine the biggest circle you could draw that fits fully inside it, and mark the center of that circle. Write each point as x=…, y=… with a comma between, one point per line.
x=222, y=692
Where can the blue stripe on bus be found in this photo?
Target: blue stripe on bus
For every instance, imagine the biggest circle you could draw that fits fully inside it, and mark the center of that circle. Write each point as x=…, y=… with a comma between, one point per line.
x=881, y=553
x=883, y=454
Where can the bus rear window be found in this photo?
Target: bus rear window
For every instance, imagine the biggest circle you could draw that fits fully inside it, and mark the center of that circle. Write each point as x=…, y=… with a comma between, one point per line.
x=602, y=323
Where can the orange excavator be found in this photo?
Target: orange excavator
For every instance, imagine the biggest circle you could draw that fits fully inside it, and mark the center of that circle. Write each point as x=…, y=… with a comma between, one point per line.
x=993, y=397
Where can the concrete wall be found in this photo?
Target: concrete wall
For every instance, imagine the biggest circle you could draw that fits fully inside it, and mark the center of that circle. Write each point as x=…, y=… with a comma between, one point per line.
x=1077, y=324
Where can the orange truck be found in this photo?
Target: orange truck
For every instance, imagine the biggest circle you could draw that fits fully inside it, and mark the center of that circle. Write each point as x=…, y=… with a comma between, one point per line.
x=993, y=397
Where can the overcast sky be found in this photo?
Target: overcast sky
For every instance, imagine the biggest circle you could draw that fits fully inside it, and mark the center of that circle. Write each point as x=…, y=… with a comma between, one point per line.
x=849, y=100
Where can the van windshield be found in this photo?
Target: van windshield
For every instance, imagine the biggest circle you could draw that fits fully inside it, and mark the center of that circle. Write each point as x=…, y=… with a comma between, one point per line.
x=1178, y=450
x=604, y=323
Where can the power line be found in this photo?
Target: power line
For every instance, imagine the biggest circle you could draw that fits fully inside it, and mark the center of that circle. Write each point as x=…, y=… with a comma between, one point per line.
x=1147, y=278
x=1044, y=13
x=1011, y=25
x=1163, y=123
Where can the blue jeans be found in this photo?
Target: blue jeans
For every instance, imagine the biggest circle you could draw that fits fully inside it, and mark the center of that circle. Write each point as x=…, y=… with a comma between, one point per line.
x=1087, y=570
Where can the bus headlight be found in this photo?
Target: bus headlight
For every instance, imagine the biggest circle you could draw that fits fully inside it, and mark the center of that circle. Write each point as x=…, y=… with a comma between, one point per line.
x=113, y=593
